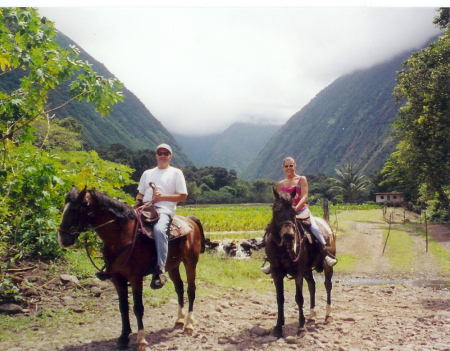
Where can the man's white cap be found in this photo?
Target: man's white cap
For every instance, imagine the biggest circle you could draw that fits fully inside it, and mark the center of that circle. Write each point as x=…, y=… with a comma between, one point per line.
x=164, y=146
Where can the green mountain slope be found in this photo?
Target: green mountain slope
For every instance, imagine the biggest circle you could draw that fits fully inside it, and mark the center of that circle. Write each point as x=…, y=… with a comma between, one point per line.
x=130, y=123
x=232, y=149
x=348, y=121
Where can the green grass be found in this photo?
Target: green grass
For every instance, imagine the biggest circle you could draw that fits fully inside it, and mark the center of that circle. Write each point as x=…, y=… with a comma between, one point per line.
x=347, y=263
x=441, y=255
x=399, y=249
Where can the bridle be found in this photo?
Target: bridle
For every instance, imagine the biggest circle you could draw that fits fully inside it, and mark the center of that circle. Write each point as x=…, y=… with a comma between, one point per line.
x=297, y=239
x=83, y=228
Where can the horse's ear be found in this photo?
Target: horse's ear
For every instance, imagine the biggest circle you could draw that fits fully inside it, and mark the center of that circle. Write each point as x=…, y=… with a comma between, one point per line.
x=293, y=192
x=275, y=193
x=82, y=194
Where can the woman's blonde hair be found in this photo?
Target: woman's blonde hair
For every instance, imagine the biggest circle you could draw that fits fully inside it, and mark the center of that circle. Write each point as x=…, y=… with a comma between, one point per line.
x=289, y=158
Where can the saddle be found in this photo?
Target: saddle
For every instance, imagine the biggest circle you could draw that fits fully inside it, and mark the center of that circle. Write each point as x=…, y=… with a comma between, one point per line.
x=149, y=215
x=304, y=223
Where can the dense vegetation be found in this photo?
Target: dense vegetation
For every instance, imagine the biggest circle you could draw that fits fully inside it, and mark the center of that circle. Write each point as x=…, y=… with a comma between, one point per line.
x=36, y=167
x=421, y=163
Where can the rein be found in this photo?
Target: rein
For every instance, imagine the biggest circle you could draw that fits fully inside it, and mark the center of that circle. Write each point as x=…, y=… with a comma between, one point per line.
x=298, y=237
x=132, y=243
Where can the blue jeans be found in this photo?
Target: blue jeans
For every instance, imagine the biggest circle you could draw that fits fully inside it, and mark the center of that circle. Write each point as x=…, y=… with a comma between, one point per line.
x=161, y=236
x=315, y=230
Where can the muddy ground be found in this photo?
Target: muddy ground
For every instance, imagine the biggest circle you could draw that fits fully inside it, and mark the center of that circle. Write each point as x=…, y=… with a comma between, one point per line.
x=374, y=308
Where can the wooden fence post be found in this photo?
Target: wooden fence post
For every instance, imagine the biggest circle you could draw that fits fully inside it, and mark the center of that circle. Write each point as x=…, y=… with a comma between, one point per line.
x=326, y=213
x=426, y=232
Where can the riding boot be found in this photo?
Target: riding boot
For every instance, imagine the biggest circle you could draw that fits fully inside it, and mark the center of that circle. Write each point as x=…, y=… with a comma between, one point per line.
x=159, y=278
x=330, y=259
x=265, y=270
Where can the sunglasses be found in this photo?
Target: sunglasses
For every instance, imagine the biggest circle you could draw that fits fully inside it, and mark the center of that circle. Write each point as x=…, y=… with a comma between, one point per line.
x=163, y=153
x=288, y=166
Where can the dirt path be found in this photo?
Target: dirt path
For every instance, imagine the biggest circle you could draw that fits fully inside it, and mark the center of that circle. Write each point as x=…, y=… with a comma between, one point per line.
x=366, y=317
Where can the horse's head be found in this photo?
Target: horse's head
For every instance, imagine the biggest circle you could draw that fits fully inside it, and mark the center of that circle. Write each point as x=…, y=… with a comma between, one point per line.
x=75, y=217
x=283, y=217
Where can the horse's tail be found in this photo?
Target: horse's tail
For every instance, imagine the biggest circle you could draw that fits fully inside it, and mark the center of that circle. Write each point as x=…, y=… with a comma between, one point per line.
x=202, y=233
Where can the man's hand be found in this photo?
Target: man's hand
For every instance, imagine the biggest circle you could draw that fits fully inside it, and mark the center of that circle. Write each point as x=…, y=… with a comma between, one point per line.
x=157, y=196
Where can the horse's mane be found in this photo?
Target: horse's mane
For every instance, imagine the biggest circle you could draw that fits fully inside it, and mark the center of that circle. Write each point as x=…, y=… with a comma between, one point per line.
x=120, y=210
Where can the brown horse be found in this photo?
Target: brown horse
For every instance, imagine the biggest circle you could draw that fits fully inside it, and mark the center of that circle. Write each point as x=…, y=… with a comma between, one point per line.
x=129, y=257
x=289, y=252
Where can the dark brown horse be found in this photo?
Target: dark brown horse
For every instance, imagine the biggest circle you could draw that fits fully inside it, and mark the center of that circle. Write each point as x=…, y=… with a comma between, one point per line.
x=290, y=253
x=128, y=256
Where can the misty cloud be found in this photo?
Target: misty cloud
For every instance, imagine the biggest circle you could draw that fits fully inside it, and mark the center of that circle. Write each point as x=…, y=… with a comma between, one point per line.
x=198, y=70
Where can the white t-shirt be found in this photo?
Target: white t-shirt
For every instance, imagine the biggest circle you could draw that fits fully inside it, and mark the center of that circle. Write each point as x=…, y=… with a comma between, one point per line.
x=168, y=181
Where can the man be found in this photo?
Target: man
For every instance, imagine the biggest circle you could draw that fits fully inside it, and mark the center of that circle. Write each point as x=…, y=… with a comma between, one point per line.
x=170, y=189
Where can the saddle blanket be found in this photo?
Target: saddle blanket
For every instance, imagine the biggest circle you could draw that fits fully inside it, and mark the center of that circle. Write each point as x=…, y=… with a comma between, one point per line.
x=178, y=228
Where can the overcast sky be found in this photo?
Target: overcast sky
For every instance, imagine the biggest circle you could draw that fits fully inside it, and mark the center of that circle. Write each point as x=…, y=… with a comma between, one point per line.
x=200, y=69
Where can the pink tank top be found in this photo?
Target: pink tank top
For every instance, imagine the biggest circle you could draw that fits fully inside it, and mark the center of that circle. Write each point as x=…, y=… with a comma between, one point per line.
x=297, y=196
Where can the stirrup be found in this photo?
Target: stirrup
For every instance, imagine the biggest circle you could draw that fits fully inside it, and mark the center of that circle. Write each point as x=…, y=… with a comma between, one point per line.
x=158, y=281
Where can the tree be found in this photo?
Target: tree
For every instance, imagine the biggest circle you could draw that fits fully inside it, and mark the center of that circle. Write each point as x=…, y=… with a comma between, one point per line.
x=349, y=183
x=33, y=182
x=423, y=124
x=28, y=49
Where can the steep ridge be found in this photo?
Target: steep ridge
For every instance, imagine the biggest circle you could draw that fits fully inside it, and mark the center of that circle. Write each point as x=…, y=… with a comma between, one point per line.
x=348, y=121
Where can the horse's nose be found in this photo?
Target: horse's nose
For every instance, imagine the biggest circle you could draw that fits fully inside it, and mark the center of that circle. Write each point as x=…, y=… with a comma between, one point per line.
x=65, y=240
x=287, y=239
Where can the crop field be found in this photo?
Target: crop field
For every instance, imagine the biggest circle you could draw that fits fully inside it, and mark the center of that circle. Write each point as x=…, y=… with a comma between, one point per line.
x=247, y=218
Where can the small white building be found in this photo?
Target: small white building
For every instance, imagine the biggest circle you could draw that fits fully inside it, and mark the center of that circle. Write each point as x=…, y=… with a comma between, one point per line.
x=388, y=197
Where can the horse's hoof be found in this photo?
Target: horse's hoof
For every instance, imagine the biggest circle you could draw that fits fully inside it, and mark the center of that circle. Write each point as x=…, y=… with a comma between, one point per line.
x=188, y=331
x=179, y=325
x=329, y=319
x=122, y=343
x=142, y=347
x=277, y=332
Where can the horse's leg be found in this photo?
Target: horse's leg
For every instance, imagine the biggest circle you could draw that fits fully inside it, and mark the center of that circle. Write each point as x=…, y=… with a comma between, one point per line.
x=138, y=308
x=278, y=280
x=122, y=292
x=190, y=265
x=312, y=294
x=299, y=299
x=174, y=275
x=328, y=286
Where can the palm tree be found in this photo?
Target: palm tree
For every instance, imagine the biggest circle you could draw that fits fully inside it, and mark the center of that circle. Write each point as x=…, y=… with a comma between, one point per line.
x=349, y=183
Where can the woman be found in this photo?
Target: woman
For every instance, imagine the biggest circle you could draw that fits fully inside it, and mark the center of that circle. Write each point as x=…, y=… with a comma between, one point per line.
x=288, y=184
